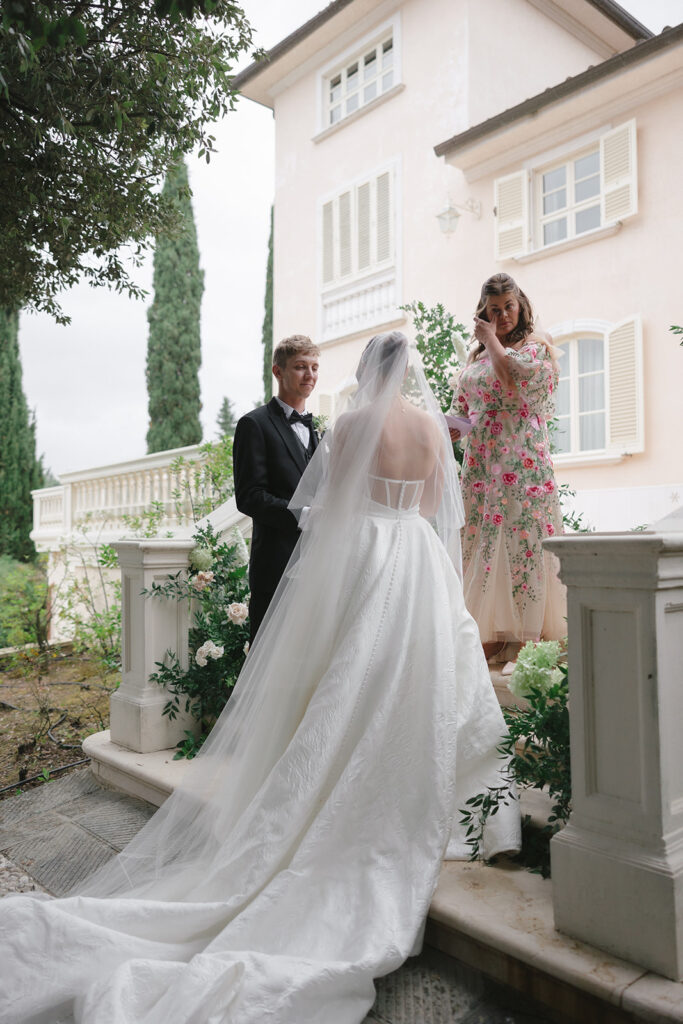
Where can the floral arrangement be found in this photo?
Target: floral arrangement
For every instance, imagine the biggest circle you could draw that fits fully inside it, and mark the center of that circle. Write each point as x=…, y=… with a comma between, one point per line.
x=537, y=751
x=216, y=585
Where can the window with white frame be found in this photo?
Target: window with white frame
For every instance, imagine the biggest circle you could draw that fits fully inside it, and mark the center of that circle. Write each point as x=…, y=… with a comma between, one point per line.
x=564, y=199
x=568, y=198
x=357, y=233
x=599, y=400
x=359, y=272
x=581, y=405
x=360, y=80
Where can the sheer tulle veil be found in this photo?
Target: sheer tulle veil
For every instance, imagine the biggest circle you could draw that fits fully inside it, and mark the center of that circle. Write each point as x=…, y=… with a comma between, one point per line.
x=190, y=848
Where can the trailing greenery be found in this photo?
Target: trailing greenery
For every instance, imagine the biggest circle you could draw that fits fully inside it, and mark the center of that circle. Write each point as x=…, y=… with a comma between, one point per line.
x=442, y=343
x=174, y=346
x=675, y=329
x=20, y=470
x=97, y=102
x=24, y=615
x=536, y=750
x=217, y=586
x=267, y=329
x=225, y=421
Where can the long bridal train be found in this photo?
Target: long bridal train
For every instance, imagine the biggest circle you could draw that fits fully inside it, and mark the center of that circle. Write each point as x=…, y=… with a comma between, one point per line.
x=299, y=860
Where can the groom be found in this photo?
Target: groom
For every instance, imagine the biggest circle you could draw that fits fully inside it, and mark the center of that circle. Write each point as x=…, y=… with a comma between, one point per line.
x=272, y=446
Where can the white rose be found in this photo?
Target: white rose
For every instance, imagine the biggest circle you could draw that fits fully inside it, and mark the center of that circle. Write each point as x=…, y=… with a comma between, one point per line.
x=208, y=650
x=202, y=579
x=238, y=613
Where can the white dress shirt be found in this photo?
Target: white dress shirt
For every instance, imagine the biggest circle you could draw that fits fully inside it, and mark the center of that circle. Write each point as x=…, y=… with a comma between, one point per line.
x=300, y=429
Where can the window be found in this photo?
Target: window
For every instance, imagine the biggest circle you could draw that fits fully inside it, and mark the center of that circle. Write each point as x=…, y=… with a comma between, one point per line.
x=568, y=198
x=361, y=79
x=548, y=204
x=359, y=264
x=581, y=406
x=599, y=400
x=357, y=235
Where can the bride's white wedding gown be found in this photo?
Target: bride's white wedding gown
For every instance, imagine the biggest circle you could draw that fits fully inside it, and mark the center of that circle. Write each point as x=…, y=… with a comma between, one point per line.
x=326, y=881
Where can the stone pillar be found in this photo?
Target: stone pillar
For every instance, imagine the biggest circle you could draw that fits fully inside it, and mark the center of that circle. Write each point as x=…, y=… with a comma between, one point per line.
x=150, y=626
x=617, y=867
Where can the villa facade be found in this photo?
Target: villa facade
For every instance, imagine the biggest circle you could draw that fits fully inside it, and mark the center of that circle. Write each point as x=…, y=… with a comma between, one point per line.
x=422, y=145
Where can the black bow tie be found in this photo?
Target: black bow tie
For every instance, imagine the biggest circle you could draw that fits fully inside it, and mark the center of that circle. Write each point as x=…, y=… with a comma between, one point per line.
x=297, y=417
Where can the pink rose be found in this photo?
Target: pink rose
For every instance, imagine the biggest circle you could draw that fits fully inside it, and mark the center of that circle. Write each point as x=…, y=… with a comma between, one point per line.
x=487, y=516
x=496, y=385
x=487, y=396
x=478, y=486
x=496, y=428
x=534, y=491
x=481, y=449
x=524, y=384
x=497, y=518
x=495, y=469
x=461, y=398
x=529, y=554
x=524, y=413
x=509, y=478
x=471, y=461
x=550, y=529
x=548, y=486
x=528, y=463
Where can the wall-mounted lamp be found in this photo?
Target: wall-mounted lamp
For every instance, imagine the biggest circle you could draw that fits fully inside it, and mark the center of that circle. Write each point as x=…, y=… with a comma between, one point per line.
x=449, y=217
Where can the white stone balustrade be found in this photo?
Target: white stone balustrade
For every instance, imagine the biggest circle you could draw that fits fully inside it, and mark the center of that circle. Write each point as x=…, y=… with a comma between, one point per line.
x=617, y=867
x=111, y=492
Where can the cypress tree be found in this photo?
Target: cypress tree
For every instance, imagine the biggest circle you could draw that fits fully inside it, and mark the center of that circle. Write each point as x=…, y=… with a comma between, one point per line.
x=225, y=421
x=267, y=331
x=20, y=470
x=174, y=346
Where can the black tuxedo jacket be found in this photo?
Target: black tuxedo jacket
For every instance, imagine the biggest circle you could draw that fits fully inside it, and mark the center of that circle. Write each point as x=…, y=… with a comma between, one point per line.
x=268, y=461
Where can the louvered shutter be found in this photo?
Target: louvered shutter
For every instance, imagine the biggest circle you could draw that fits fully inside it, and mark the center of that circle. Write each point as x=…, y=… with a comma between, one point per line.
x=512, y=215
x=619, y=173
x=328, y=242
x=384, y=240
x=625, y=377
x=344, y=234
x=363, y=200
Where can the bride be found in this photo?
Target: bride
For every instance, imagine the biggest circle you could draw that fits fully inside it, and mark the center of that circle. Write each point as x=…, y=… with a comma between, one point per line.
x=298, y=860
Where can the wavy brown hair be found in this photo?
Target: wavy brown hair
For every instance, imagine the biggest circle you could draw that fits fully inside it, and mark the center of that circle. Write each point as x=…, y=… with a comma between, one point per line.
x=501, y=284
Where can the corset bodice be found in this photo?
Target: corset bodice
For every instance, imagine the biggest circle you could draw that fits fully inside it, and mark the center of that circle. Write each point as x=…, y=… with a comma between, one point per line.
x=399, y=495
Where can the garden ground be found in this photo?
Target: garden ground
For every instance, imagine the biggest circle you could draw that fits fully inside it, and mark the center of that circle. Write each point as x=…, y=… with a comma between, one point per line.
x=46, y=711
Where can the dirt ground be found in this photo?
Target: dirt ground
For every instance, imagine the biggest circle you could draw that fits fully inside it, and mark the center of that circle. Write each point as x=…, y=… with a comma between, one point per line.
x=44, y=717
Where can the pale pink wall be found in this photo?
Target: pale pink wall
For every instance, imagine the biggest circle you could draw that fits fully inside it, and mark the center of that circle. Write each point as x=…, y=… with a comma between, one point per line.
x=437, y=102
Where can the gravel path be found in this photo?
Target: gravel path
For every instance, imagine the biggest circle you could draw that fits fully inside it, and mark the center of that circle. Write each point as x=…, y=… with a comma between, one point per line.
x=15, y=879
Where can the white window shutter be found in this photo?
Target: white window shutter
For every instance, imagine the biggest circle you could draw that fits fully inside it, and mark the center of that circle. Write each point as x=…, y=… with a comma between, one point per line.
x=512, y=215
x=328, y=242
x=619, y=173
x=345, y=234
x=625, y=383
x=363, y=201
x=384, y=241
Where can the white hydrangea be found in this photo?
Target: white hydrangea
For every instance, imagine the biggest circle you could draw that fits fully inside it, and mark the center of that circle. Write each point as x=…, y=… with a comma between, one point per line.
x=537, y=666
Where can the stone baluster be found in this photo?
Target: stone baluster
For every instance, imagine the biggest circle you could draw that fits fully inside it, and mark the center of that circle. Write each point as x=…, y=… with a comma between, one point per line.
x=617, y=867
x=151, y=626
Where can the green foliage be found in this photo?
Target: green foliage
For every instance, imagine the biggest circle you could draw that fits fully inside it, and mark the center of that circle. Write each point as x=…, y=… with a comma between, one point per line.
x=442, y=343
x=24, y=614
x=675, y=329
x=91, y=599
x=203, y=483
x=97, y=102
x=267, y=329
x=537, y=751
x=20, y=470
x=219, y=596
x=174, y=346
x=225, y=421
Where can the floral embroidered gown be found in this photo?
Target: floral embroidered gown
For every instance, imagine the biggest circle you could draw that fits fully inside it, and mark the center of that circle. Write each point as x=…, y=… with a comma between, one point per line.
x=511, y=500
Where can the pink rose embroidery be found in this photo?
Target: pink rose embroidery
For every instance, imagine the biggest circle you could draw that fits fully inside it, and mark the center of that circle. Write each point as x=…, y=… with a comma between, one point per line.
x=496, y=428
x=524, y=384
x=548, y=486
x=497, y=518
x=529, y=554
x=509, y=478
x=524, y=413
x=528, y=463
x=550, y=529
x=487, y=396
x=534, y=491
x=471, y=461
x=478, y=486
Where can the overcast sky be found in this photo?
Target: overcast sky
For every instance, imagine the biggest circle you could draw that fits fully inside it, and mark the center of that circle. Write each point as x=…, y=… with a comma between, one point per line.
x=86, y=382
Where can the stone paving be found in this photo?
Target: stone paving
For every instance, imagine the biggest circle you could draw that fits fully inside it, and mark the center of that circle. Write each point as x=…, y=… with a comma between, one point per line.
x=53, y=837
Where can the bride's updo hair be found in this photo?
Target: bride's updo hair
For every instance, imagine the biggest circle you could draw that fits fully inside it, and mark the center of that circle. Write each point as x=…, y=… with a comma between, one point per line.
x=385, y=350
x=501, y=284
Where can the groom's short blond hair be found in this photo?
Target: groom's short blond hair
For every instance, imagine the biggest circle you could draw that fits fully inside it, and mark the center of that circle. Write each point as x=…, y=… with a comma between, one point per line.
x=295, y=345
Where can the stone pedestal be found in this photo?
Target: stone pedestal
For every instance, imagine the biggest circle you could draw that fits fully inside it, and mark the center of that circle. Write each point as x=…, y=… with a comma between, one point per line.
x=151, y=626
x=617, y=868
